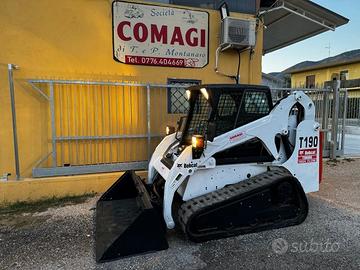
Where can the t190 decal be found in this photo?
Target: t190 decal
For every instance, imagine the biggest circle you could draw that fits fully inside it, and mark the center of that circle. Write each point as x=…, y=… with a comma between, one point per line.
x=311, y=141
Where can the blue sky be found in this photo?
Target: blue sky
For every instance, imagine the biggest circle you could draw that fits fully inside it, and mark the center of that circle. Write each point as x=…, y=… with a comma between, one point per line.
x=345, y=38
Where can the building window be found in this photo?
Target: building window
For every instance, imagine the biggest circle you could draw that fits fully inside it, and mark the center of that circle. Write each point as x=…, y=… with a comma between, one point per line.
x=344, y=75
x=335, y=76
x=177, y=102
x=310, y=81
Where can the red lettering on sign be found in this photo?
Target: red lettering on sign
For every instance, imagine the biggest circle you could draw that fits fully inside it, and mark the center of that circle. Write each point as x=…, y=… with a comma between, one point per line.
x=203, y=37
x=151, y=61
x=177, y=36
x=144, y=32
x=159, y=36
x=193, y=42
x=120, y=30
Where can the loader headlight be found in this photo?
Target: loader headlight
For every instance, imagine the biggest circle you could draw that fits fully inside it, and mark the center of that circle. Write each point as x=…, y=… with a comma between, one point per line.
x=188, y=94
x=205, y=93
x=198, y=144
x=197, y=141
x=169, y=130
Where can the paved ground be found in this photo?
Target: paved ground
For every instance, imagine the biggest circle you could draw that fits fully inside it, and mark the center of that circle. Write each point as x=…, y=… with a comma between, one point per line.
x=352, y=145
x=62, y=238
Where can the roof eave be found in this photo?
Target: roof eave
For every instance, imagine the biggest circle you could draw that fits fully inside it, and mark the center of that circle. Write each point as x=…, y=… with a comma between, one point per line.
x=321, y=66
x=280, y=17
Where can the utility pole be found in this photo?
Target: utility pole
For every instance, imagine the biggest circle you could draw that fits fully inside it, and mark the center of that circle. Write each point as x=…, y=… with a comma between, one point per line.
x=329, y=49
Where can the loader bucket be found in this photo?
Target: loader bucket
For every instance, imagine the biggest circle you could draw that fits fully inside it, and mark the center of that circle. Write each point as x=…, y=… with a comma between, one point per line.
x=126, y=221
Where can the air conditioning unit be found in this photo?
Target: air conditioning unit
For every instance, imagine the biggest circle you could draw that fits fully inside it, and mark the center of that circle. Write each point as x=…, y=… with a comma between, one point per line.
x=237, y=33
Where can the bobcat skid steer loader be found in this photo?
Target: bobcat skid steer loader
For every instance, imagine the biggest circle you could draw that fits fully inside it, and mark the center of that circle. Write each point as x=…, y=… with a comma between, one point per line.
x=236, y=164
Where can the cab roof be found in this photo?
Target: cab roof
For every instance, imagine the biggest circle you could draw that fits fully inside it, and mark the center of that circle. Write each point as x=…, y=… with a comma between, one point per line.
x=239, y=87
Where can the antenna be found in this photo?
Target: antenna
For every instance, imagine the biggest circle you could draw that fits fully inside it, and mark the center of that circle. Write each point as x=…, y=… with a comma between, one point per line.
x=329, y=48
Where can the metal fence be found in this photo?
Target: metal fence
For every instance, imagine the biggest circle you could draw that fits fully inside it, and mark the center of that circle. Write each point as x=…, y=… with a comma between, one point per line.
x=102, y=126
x=353, y=112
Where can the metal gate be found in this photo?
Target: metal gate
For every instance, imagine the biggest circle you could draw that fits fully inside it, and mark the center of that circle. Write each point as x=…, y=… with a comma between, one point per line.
x=330, y=112
x=102, y=126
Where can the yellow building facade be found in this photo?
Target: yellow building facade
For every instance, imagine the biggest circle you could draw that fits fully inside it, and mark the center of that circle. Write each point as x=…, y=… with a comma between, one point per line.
x=72, y=40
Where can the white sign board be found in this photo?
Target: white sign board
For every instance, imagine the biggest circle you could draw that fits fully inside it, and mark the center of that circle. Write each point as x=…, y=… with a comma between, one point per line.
x=160, y=36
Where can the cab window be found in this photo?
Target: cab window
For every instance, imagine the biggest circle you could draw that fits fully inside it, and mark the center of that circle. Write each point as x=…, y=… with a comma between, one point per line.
x=254, y=106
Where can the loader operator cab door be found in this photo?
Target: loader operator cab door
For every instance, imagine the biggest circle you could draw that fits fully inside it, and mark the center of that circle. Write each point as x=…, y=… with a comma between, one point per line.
x=223, y=108
x=226, y=107
x=239, y=108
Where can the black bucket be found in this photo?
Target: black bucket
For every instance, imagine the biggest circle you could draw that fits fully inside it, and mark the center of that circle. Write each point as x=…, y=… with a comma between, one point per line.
x=126, y=222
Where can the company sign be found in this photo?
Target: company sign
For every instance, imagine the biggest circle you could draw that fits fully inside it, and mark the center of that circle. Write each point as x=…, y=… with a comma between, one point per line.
x=160, y=36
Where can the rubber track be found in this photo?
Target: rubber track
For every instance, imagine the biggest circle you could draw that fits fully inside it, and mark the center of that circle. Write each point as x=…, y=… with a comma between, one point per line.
x=218, y=197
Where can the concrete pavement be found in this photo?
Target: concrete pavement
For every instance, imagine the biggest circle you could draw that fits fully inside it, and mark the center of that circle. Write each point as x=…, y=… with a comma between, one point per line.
x=63, y=237
x=352, y=145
